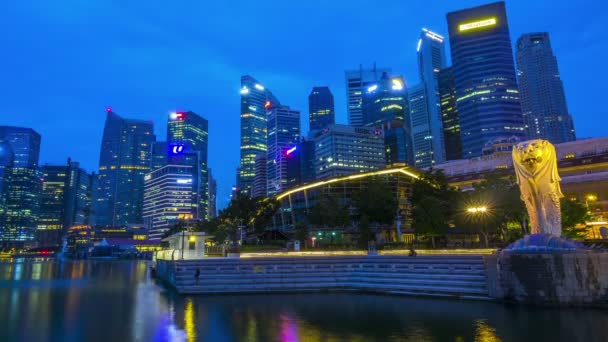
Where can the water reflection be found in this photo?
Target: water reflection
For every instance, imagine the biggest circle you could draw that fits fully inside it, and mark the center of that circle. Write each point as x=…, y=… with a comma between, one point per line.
x=117, y=301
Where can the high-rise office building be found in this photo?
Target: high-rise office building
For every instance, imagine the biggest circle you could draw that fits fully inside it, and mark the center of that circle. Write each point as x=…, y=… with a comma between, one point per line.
x=449, y=115
x=212, y=195
x=260, y=180
x=487, y=95
x=159, y=157
x=23, y=185
x=427, y=126
x=255, y=98
x=170, y=195
x=543, y=101
x=283, y=132
x=187, y=141
x=321, y=111
x=7, y=160
x=357, y=83
x=301, y=163
x=124, y=160
x=343, y=150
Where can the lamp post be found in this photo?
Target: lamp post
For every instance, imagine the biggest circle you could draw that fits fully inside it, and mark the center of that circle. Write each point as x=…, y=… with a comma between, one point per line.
x=589, y=198
x=479, y=211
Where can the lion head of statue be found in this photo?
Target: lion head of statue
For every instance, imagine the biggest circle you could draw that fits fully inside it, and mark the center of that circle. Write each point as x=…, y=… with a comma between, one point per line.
x=533, y=154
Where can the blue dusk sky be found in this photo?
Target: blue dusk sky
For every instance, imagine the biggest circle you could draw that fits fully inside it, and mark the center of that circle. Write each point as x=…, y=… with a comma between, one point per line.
x=63, y=62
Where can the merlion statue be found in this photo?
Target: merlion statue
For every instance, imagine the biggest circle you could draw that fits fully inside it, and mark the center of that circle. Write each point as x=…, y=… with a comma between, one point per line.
x=535, y=164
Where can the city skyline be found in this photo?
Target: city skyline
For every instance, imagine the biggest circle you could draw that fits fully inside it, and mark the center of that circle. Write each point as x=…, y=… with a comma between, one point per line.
x=85, y=88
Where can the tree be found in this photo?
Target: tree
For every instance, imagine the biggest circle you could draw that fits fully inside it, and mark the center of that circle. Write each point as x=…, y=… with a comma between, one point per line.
x=365, y=233
x=376, y=200
x=328, y=212
x=301, y=232
x=433, y=202
x=177, y=227
x=574, y=219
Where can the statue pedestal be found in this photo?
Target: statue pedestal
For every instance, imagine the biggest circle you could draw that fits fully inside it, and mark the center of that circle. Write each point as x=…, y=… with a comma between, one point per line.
x=575, y=277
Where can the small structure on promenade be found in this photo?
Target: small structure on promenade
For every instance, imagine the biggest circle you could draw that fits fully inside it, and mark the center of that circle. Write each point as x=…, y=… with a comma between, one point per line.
x=186, y=245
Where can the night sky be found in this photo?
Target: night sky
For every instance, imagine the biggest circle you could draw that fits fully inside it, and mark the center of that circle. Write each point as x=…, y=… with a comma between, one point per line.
x=63, y=62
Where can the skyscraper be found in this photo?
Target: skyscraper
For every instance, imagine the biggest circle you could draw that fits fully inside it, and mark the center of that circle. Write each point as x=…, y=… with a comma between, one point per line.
x=543, y=101
x=357, y=83
x=260, y=180
x=255, y=98
x=52, y=204
x=487, y=96
x=449, y=115
x=123, y=161
x=427, y=126
x=212, y=195
x=321, y=108
x=160, y=152
x=187, y=141
x=342, y=150
x=23, y=185
x=283, y=133
x=170, y=195
x=7, y=160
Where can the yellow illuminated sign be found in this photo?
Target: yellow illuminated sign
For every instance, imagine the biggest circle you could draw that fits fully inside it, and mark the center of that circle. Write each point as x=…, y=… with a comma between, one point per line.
x=477, y=24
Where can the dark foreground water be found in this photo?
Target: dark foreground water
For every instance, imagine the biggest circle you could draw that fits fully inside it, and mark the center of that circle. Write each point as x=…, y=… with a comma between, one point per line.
x=117, y=301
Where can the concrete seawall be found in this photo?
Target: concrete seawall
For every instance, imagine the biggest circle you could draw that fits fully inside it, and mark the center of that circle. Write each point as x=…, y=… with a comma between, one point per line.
x=456, y=276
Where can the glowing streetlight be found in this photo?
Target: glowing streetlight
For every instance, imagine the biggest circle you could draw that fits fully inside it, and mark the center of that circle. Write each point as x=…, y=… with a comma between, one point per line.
x=477, y=210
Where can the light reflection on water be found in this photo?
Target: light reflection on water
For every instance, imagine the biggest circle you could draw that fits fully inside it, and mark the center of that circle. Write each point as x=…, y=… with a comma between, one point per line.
x=117, y=301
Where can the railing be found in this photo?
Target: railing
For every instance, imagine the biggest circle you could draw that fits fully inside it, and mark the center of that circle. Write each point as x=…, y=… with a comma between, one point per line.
x=178, y=254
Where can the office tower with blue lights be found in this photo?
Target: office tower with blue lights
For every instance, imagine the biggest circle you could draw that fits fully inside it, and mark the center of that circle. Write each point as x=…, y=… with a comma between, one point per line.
x=254, y=99
x=212, y=195
x=449, y=115
x=342, y=150
x=124, y=160
x=386, y=108
x=159, y=156
x=321, y=111
x=543, y=101
x=427, y=125
x=357, y=83
x=283, y=133
x=487, y=95
x=22, y=188
x=170, y=195
x=7, y=160
x=187, y=142
x=301, y=163
x=260, y=180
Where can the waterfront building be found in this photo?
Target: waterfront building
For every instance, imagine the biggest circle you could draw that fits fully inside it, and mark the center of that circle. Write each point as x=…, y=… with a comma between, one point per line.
x=296, y=202
x=7, y=159
x=357, y=83
x=427, y=124
x=124, y=160
x=343, y=150
x=212, y=195
x=260, y=180
x=159, y=157
x=449, y=115
x=487, y=95
x=170, y=195
x=255, y=98
x=22, y=185
x=283, y=132
x=581, y=165
x=187, y=141
x=543, y=101
x=321, y=111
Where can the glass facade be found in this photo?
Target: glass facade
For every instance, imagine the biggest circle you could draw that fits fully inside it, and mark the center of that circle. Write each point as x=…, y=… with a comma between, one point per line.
x=449, y=115
x=124, y=160
x=543, y=101
x=159, y=156
x=187, y=142
x=357, y=83
x=7, y=159
x=427, y=126
x=170, y=195
x=283, y=133
x=22, y=185
x=487, y=95
x=321, y=108
x=255, y=98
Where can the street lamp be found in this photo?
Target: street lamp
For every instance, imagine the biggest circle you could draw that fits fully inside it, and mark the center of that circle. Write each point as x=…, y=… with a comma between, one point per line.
x=589, y=198
x=477, y=210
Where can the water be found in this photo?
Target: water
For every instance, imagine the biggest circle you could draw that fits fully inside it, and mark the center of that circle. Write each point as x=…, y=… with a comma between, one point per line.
x=117, y=301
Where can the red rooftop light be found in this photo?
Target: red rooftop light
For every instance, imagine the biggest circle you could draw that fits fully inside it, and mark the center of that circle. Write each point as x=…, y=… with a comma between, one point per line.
x=109, y=109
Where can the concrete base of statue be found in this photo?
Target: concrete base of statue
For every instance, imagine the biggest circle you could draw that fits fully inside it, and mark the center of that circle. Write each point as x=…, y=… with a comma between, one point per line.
x=544, y=243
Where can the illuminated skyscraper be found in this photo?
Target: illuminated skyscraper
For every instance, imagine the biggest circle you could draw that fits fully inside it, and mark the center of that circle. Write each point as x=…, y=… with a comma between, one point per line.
x=160, y=152
x=23, y=185
x=283, y=133
x=543, y=101
x=124, y=160
x=260, y=181
x=254, y=97
x=321, y=108
x=187, y=142
x=7, y=160
x=357, y=83
x=449, y=115
x=487, y=96
x=427, y=131
x=212, y=195
x=170, y=195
